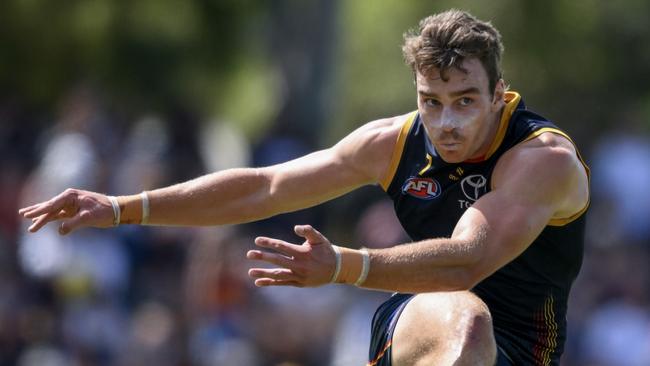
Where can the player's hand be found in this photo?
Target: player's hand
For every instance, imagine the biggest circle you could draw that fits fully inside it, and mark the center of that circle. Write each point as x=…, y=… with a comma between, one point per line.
x=73, y=208
x=308, y=265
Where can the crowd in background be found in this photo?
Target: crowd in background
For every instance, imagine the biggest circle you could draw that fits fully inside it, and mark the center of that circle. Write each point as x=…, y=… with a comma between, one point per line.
x=137, y=295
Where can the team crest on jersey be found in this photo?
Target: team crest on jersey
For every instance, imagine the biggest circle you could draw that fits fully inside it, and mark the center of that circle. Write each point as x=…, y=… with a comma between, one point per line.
x=422, y=188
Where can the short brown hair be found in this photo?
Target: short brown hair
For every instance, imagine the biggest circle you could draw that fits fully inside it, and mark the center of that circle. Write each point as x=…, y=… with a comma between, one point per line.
x=444, y=40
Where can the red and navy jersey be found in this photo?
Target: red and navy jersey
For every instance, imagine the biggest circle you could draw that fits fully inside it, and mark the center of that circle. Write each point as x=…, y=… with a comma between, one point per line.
x=527, y=297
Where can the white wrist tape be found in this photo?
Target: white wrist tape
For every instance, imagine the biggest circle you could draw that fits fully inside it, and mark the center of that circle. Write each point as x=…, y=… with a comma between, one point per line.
x=116, y=210
x=145, y=208
x=337, y=269
x=365, y=267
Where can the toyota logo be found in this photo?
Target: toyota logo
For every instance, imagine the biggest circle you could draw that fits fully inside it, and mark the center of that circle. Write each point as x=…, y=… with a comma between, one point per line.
x=473, y=186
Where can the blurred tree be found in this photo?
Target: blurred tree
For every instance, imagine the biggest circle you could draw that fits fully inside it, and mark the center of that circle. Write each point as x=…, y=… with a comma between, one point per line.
x=144, y=51
x=583, y=63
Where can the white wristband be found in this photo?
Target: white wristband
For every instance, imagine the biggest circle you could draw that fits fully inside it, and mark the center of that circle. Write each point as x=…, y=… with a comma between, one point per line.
x=337, y=269
x=116, y=210
x=145, y=208
x=365, y=267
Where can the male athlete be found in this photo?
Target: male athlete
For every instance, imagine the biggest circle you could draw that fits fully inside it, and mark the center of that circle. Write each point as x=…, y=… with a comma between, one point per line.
x=492, y=194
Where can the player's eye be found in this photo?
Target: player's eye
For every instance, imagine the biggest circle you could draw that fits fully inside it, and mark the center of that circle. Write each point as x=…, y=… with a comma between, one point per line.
x=465, y=101
x=431, y=102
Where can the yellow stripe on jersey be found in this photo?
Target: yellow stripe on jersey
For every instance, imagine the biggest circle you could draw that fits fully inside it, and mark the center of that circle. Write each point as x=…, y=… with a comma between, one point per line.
x=398, y=150
x=551, y=326
x=512, y=100
x=429, y=162
x=561, y=221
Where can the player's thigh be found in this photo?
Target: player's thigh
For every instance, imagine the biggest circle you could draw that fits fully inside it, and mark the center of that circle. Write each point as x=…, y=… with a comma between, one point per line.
x=443, y=325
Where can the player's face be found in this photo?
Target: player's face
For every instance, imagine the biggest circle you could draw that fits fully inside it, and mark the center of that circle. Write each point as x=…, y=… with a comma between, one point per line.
x=461, y=114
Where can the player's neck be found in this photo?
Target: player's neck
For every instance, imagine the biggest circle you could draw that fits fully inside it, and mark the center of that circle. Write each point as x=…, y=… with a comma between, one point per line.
x=494, y=121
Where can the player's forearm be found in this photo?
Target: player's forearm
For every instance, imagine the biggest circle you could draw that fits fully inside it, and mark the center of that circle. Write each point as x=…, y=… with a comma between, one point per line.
x=226, y=197
x=430, y=265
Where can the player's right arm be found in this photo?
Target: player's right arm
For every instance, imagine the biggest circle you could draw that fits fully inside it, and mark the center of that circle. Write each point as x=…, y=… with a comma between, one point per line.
x=244, y=194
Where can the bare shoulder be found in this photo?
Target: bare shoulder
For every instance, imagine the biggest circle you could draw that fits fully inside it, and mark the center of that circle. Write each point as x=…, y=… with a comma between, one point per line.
x=547, y=168
x=370, y=147
x=380, y=131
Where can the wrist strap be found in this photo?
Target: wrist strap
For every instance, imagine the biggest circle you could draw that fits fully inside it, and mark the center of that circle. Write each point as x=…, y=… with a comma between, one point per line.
x=337, y=268
x=116, y=210
x=133, y=208
x=365, y=267
x=352, y=266
x=145, y=208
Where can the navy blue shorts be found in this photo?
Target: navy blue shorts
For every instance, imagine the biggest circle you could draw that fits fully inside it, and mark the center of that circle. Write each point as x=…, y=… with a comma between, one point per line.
x=383, y=326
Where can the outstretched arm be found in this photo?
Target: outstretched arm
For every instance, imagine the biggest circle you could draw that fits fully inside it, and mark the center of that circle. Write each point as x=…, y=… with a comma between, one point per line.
x=237, y=195
x=491, y=233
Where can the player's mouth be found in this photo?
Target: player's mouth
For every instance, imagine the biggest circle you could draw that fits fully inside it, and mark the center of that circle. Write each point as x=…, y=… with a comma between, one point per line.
x=450, y=146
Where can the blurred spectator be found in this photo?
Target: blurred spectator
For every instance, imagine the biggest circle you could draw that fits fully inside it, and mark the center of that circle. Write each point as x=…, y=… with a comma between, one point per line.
x=140, y=165
x=279, y=145
x=223, y=146
x=218, y=303
x=620, y=181
x=378, y=227
x=618, y=333
x=88, y=271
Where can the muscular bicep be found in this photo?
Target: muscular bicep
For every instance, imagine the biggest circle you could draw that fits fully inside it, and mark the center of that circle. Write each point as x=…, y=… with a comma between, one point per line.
x=310, y=180
x=532, y=186
x=501, y=228
x=359, y=159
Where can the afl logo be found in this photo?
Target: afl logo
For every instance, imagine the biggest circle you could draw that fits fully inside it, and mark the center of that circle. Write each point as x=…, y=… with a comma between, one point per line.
x=422, y=188
x=473, y=186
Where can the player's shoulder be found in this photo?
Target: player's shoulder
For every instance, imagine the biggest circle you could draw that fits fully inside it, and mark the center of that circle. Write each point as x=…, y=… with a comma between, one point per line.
x=387, y=128
x=553, y=139
x=370, y=147
x=552, y=162
x=549, y=147
x=378, y=134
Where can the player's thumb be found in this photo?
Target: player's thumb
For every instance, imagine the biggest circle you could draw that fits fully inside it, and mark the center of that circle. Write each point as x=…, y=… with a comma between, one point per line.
x=70, y=225
x=312, y=235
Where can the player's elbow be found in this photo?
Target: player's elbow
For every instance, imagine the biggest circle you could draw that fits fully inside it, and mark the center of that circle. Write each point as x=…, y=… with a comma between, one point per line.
x=465, y=279
x=471, y=258
x=465, y=274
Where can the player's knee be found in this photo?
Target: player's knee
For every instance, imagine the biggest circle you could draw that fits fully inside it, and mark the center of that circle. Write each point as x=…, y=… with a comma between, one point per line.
x=458, y=331
x=477, y=345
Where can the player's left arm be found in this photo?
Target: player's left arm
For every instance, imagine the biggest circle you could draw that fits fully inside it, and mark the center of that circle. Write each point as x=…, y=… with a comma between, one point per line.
x=535, y=182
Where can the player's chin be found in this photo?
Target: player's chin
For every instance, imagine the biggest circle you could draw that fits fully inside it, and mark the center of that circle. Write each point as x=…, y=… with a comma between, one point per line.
x=452, y=157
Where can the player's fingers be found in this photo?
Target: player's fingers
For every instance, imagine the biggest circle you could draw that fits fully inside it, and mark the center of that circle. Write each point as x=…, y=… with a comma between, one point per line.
x=74, y=223
x=23, y=210
x=35, y=210
x=56, y=204
x=281, y=246
x=263, y=282
x=40, y=221
x=273, y=258
x=312, y=235
x=277, y=274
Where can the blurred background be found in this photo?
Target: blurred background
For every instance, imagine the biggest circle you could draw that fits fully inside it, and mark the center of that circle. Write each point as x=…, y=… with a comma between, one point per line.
x=120, y=96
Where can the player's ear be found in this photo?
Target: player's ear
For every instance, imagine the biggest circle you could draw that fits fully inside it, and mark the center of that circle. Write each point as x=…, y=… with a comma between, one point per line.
x=498, y=95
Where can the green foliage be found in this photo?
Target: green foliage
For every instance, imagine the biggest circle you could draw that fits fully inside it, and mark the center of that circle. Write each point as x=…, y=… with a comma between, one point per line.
x=145, y=51
x=583, y=63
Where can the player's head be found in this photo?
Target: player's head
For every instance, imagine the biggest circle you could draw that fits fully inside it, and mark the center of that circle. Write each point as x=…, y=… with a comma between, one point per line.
x=455, y=59
x=443, y=41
